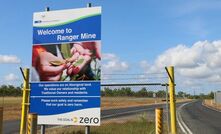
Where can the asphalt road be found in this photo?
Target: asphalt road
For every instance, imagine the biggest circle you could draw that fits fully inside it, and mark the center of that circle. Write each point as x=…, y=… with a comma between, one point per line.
x=12, y=127
x=200, y=119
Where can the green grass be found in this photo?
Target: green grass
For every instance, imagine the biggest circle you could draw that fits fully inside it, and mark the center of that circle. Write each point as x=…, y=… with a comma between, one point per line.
x=130, y=127
x=139, y=125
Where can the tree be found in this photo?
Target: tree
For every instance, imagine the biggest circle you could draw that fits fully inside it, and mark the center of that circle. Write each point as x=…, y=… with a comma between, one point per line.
x=142, y=92
x=161, y=93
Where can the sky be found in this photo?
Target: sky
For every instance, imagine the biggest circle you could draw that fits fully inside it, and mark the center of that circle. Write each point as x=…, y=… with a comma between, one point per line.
x=138, y=37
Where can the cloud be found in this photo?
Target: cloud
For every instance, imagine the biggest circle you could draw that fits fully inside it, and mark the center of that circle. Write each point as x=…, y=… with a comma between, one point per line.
x=194, y=65
x=111, y=63
x=11, y=77
x=12, y=59
x=144, y=64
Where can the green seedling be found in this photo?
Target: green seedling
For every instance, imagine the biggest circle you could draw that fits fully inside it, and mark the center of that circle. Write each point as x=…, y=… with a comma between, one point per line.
x=56, y=63
x=80, y=61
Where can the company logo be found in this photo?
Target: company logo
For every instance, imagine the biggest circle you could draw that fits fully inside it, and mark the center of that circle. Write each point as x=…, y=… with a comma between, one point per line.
x=86, y=120
x=45, y=21
x=37, y=21
x=75, y=119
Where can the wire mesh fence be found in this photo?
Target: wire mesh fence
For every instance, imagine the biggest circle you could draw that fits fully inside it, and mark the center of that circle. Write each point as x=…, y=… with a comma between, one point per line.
x=133, y=102
x=128, y=103
x=132, y=98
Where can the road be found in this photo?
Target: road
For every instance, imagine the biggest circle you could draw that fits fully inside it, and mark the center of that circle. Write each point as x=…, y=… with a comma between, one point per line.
x=200, y=119
x=12, y=127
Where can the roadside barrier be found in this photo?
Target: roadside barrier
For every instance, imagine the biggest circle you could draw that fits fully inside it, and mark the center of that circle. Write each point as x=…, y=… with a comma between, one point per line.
x=159, y=120
x=32, y=123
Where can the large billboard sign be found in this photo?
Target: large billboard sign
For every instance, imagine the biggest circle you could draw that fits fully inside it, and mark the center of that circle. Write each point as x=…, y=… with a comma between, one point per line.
x=66, y=70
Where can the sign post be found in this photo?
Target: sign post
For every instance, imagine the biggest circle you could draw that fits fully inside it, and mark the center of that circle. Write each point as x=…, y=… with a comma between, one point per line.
x=66, y=67
x=87, y=128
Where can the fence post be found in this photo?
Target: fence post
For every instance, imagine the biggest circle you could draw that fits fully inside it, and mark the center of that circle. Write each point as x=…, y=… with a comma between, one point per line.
x=1, y=119
x=25, y=102
x=170, y=71
x=167, y=108
x=159, y=120
x=32, y=123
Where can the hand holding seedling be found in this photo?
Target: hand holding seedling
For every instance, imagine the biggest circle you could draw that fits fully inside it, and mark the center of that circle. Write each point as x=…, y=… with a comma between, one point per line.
x=75, y=64
x=50, y=67
x=80, y=58
x=94, y=47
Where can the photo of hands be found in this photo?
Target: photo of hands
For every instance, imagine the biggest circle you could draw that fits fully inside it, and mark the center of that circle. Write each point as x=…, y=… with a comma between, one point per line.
x=77, y=61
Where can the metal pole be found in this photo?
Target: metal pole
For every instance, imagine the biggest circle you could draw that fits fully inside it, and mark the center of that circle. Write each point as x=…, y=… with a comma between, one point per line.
x=172, y=100
x=87, y=129
x=214, y=97
x=159, y=120
x=42, y=129
x=89, y=4
x=43, y=126
x=1, y=120
x=25, y=102
x=167, y=108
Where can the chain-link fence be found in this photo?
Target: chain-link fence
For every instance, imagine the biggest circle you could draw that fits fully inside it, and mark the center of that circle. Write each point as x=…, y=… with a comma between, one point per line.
x=134, y=102
x=128, y=103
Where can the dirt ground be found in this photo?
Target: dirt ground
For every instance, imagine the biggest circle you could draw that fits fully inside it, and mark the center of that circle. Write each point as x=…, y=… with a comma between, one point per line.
x=12, y=105
x=211, y=103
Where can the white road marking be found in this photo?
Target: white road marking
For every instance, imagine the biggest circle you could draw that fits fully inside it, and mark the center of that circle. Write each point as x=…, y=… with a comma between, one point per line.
x=180, y=121
x=129, y=112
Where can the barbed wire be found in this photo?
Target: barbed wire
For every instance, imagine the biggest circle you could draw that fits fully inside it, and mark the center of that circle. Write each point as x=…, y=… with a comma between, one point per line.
x=135, y=73
x=134, y=78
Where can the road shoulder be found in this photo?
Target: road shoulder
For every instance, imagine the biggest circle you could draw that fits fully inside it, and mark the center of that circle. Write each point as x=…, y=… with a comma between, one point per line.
x=210, y=107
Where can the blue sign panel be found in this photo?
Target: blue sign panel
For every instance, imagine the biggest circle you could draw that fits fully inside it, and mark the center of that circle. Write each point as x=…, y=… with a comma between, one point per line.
x=66, y=68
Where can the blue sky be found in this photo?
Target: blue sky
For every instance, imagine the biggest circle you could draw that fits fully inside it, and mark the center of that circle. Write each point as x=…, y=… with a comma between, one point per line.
x=136, y=37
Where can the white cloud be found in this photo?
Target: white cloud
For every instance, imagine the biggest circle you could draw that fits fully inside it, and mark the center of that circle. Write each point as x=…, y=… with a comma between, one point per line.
x=108, y=56
x=194, y=65
x=111, y=63
x=9, y=59
x=11, y=77
x=144, y=64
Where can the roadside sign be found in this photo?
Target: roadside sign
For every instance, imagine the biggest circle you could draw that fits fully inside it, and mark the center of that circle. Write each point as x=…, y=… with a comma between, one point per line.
x=66, y=70
x=154, y=95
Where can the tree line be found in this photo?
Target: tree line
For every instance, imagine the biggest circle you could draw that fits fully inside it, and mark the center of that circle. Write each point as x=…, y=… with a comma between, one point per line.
x=143, y=92
x=127, y=91
x=10, y=90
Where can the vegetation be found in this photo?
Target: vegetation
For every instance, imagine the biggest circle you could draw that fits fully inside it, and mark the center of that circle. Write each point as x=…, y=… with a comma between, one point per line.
x=204, y=96
x=12, y=107
x=9, y=90
x=127, y=91
x=134, y=126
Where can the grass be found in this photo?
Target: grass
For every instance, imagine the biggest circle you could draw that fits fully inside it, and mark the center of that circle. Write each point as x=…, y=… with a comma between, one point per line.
x=138, y=126
x=12, y=105
x=211, y=103
x=119, y=102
